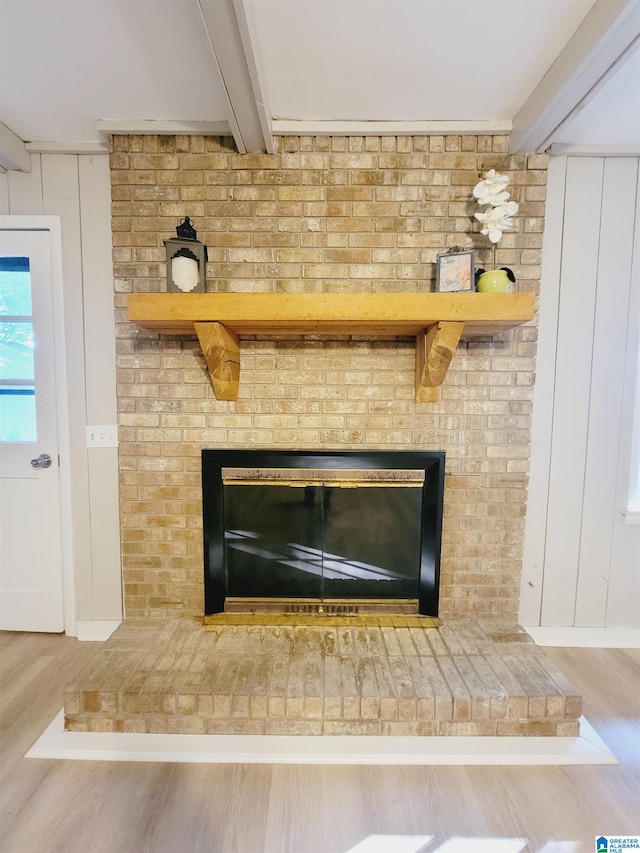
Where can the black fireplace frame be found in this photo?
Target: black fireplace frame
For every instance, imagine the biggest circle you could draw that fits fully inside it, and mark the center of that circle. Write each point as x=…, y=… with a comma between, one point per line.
x=431, y=462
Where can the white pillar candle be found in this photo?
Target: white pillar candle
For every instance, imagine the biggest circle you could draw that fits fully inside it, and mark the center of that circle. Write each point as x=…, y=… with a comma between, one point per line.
x=184, y=273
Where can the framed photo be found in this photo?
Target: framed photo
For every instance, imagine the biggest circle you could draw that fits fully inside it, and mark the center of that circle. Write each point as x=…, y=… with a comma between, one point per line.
x=455, y=271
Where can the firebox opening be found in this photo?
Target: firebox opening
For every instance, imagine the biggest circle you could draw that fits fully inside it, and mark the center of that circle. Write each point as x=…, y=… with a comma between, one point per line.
x=322, y=532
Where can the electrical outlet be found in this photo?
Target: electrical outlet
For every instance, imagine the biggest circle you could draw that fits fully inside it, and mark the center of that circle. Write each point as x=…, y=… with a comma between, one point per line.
x=102, y=435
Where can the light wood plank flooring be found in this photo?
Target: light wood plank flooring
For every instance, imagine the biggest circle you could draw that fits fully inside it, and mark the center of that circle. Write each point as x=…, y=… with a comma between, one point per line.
x=104, y=807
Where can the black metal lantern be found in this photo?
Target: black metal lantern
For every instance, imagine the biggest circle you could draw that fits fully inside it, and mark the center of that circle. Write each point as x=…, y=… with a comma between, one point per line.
x=186, y=260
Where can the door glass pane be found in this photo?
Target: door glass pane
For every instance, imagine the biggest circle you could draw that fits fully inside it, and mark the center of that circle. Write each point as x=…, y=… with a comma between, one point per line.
x=17, y=413
x=16, y=351
x=15, y=291
x=17, y=392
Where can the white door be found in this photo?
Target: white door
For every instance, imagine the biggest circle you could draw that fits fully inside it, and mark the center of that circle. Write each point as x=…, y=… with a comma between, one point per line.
x=31, y=585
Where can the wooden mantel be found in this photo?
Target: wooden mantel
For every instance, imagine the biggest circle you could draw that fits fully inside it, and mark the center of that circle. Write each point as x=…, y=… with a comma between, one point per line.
x=436, y=320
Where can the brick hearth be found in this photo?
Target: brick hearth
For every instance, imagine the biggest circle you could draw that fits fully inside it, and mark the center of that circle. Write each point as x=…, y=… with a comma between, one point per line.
x=322, y=675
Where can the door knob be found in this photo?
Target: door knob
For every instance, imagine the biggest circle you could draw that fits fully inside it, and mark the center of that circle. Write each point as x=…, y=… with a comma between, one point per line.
x=42, y=461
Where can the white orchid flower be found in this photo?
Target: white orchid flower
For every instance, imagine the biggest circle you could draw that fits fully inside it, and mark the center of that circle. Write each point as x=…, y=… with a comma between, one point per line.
x=495, y=220
x=491, y=190
x=491, y=194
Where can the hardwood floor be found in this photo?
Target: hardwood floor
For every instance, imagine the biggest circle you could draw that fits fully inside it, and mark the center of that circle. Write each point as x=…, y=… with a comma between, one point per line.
x=110, y=807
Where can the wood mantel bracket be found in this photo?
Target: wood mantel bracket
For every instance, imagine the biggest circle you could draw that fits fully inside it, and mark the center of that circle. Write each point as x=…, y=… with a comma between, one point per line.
x=435, y=347
x=221, y=350
x=435, y=320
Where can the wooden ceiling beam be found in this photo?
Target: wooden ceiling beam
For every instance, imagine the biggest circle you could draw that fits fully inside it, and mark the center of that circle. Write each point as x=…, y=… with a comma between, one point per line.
x=482, y=127
x=227, y=30
x=162, y=127
x=14, y=156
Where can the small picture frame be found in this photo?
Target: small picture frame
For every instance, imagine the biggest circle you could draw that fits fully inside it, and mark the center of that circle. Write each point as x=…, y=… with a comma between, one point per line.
x=455, y=271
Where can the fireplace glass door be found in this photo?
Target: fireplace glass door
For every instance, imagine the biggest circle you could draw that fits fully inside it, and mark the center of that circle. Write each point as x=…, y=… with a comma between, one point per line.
x=318, y=534
x=295, y=529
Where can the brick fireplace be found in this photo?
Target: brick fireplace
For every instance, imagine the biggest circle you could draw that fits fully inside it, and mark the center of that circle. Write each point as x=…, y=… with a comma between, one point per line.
x=321, y=216
x=333, y=215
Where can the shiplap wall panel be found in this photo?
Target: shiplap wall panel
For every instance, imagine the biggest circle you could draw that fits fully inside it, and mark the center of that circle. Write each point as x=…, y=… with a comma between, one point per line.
x=542, y=421
x=100, y=369
x=97, y=277
x=61, y=195
x=584, y=401
x=623, y=601
x=572, y=384
x=607, y=382
x=25, y=190
x=4, y=194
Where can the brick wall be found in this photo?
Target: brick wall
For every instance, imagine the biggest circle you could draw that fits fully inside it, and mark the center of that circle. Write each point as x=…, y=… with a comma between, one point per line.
x=336, y=215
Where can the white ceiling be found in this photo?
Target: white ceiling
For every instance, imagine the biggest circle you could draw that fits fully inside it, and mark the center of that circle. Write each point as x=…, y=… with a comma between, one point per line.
x=558, y=71
x=409, y=59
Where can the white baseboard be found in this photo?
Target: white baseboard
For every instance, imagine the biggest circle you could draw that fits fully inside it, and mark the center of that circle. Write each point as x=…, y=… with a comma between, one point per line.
x=593, y=638
x=96, y=630
x=55, y=742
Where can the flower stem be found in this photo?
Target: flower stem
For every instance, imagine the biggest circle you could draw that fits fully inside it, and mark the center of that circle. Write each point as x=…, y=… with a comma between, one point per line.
x=493, y=256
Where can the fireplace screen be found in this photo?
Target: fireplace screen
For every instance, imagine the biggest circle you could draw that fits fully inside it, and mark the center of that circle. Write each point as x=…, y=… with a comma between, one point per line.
x=281, y=525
